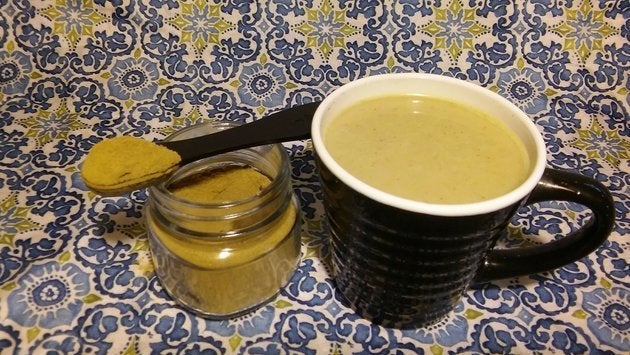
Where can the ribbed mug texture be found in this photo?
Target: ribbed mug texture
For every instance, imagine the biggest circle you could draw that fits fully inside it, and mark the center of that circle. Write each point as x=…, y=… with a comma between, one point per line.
x=398, y=267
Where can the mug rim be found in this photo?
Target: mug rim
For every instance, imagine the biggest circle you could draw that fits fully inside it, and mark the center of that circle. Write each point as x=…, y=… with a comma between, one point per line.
x=463, y=209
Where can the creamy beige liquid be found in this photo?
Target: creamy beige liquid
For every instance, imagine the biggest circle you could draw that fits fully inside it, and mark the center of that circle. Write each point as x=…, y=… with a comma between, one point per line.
x=427, y=149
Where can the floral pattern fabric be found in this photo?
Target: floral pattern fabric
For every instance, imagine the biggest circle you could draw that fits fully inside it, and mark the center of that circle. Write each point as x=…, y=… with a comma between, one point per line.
x=75, y=272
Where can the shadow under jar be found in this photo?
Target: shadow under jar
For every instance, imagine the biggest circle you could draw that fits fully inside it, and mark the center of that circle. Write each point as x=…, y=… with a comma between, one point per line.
x=224, y=259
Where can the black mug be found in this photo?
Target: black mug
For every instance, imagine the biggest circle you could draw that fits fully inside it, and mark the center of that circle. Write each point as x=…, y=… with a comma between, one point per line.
x=400, y=262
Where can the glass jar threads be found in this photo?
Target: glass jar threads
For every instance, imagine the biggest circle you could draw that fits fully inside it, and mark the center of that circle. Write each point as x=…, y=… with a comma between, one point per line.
x=224, y=231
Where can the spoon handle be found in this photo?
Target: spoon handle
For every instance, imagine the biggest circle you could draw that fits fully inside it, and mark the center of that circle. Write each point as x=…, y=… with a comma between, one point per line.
x=289, y=124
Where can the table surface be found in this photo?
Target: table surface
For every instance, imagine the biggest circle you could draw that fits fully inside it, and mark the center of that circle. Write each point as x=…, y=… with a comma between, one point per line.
x=75, y=272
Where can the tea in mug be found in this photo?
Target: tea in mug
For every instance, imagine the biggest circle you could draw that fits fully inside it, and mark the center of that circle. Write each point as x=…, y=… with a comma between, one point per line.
x=427, y=149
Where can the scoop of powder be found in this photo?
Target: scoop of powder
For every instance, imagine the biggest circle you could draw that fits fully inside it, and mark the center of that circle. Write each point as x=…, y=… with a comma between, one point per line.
x=123, y=163
x=228, y=184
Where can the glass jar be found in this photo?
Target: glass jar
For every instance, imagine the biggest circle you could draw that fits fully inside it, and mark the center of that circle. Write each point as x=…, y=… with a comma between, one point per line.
x=220, y=260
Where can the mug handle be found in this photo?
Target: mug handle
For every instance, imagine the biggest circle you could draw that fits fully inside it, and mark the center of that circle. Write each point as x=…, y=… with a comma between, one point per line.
x=561, y=186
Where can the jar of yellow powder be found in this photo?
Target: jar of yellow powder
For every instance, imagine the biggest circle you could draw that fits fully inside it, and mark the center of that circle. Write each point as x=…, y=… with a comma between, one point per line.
x=224, y=232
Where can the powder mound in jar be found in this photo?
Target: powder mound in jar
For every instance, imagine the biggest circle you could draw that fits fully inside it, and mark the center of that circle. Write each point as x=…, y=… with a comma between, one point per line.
x=225, y=184
x=121, y=163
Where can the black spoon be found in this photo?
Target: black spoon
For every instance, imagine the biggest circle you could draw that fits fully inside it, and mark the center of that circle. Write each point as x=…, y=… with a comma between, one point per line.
x=290, y=124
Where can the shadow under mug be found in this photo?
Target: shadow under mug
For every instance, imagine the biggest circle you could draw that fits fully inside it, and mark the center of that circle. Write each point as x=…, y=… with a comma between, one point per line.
x=405, y=263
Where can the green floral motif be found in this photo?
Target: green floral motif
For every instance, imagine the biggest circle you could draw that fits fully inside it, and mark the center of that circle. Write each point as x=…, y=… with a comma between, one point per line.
x=454, y=28
x=200, y=24
x=73, y=19
x=13, y=220
x=599, y=143
x=584, y=30
x=47, y=126
x=325, y=29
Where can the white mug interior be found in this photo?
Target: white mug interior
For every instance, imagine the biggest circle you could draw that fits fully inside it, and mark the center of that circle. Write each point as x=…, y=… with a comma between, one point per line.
x=437, y=86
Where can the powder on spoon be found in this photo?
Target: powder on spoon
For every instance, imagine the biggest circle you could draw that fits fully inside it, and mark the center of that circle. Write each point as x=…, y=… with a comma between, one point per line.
x=120, y=164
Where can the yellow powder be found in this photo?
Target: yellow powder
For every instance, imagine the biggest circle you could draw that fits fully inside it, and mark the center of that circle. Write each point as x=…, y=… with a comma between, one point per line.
x=224, y=275
x=121, y=164
x=221, y=185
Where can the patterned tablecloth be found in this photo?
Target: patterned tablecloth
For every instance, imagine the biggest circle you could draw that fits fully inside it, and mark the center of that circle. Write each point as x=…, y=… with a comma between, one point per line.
x=75, y=272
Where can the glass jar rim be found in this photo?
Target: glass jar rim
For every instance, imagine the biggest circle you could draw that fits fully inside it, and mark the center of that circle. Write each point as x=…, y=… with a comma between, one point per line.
x=161, y=191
